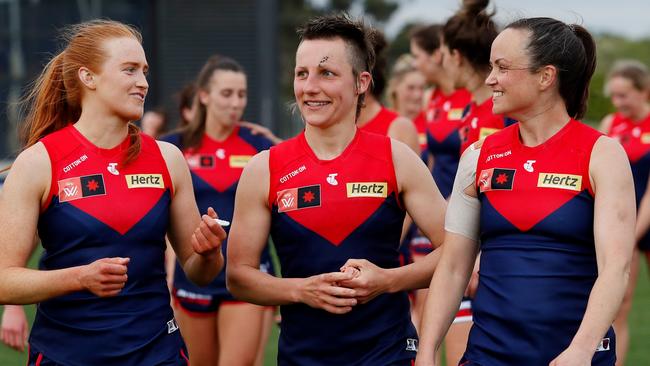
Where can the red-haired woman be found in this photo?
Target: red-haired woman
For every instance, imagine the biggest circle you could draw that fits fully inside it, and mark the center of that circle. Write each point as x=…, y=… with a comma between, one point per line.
x=102, y=197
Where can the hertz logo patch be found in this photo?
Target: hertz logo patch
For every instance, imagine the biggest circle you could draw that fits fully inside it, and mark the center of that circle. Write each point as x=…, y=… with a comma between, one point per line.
x=561, y=181
x=145, y=181
x=455, y=114
x=239, y=161
x=485, y=132
x=645, y=138
x=367, y=189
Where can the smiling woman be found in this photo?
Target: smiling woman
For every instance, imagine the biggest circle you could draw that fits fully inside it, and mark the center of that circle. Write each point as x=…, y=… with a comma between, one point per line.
x=549, y=202
x=102, y=197
x=297, y=191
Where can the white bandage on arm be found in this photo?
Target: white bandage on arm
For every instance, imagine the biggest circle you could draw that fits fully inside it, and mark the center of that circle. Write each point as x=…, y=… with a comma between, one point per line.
x=463, y=210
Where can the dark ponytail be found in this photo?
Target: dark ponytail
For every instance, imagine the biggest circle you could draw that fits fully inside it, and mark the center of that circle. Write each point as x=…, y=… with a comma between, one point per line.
x=578, y=107
x=571, y=49
x=471, y=32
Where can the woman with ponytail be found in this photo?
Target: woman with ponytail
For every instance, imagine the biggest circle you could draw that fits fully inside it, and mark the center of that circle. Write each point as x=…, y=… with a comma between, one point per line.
x=549, y=202
x=466, y=41
x=218, y=328
x=102, y=197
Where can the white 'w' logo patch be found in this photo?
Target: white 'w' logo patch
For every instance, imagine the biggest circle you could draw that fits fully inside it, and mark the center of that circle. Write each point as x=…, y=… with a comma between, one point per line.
x=287, y=202
x=70, y=191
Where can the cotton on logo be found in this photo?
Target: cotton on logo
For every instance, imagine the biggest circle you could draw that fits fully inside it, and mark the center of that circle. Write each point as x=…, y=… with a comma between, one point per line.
x=331, y=179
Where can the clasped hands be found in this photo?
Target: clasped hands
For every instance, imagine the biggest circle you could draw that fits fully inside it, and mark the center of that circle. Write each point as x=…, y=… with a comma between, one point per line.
x=358, y=282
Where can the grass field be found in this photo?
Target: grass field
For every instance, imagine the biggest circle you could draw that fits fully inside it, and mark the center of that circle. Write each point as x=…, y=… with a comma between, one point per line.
x=639, y=324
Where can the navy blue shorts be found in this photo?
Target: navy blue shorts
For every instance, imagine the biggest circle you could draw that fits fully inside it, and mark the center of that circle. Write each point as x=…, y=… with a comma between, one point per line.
x=36, y=358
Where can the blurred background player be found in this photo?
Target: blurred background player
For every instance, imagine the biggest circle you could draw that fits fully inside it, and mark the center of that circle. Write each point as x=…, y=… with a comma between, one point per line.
x=218, y=329
x=186, y=108
x=405, y=91
x=441, y=119
x=154, y=122
x=628, y=86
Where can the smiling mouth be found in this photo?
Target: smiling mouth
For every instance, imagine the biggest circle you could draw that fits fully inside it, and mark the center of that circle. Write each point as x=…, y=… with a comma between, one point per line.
x=139, y=96
x=316, y=104
x=497, y=93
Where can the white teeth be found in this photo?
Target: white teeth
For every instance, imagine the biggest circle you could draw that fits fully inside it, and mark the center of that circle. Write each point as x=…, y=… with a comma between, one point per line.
x=497, y=94
x=316, y=104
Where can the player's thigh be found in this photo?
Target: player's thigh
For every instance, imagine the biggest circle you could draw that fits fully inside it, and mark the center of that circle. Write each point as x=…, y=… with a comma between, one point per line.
x=200, y=334
x=240, y=330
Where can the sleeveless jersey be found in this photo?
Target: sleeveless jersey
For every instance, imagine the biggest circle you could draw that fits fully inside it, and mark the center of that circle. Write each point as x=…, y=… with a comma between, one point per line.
x=479, y=122
x=324, y=213
x=635, y=139
x=216, y=167
x=538, y=260
x=443, y=118
x=380, y=124
x=98, y=208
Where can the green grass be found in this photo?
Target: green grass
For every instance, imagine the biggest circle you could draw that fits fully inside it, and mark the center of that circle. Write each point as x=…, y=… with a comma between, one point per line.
x=639, y=328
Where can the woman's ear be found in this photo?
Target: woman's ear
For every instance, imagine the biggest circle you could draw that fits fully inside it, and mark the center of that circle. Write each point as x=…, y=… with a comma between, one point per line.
x=547, y=76
x=87, y=78
x=204, y=96
x=363, y=82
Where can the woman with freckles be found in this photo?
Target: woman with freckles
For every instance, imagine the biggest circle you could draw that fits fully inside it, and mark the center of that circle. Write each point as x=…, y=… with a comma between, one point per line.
x=102, y=197
x=334, y=200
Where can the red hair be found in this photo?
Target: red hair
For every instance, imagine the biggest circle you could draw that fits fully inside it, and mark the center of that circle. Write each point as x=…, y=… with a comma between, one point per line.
x=54, y=100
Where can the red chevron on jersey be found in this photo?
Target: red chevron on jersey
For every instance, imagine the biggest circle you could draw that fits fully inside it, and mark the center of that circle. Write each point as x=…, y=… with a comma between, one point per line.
x=633, y=136
x=332, y=198
x=478, y=123
x=444, y=112
x=98, y=185
x=380, y=124
x=547, y=176
x=216, y=164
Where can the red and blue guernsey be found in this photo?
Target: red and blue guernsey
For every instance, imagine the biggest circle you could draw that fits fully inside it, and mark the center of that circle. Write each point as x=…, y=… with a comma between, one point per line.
x=380, y=124
x=479, y=122
x=324, y=213
x=443, y=118
x=98, y=208
x=216, y=167
x=635, y=138
x=538, y=261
